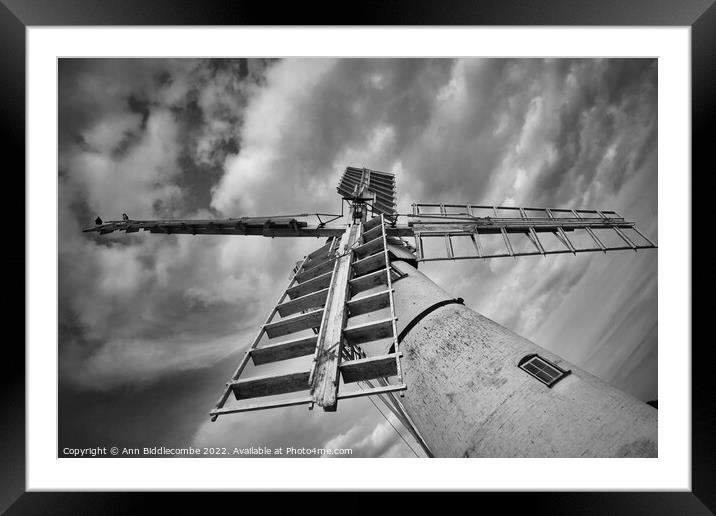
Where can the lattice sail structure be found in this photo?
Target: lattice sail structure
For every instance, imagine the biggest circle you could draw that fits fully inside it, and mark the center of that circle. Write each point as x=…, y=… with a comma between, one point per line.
x=338, y=301
x=465, y=231
x=335, y=323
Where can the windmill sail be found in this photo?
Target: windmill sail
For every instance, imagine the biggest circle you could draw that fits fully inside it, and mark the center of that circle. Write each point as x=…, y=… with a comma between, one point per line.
x=304, y=225
x=464, y=231
x=339, y=300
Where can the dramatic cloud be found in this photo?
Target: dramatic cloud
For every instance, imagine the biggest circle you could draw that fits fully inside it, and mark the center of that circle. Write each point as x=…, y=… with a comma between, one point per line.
x=356, y=425
x=144, y=314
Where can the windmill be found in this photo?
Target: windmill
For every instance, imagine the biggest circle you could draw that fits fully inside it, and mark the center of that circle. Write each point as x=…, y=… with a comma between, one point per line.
x=373, y=325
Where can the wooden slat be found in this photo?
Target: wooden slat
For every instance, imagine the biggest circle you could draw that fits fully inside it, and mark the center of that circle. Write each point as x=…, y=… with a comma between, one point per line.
x=320, y=252
x=312, y=285
x=270, y=385
x=313, y=300
x=382, y=189
x=326, y=252
x=623, y=236
x=596, y=239
x=369, y=281
x=369, y=248
x=393, y=320
x=562, y=237
x=508, y=244
x=372, y=233
x=245, y=359
x=299, y=400
x=380, y=207
x=324, y=373
x=382, y=176
x=370, y=331
x=317, y=260
x=536, y=240
x=375, y=390
x=400, y=252
x=294, y=324
x=384, y=201
x=385, y=197
x=370, y=224
x=369, y=368
x=651, y=244
x=284, y=350
x=346, y=189
x=448, y=247
x=369, y=264
x=370, y=303
x=317, y=270
x=381, y=182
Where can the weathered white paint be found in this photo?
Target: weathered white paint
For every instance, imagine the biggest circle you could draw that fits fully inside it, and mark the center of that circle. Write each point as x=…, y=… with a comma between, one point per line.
x=468, y=397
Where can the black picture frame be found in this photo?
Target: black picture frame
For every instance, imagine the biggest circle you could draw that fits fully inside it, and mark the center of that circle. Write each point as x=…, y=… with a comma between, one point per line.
x=17, y=15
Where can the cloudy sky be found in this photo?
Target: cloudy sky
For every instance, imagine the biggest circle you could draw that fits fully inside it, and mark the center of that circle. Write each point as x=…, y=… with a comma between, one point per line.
x=152, y=326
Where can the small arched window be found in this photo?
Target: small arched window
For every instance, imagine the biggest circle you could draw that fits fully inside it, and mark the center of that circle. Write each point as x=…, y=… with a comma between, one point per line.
x=545, y=371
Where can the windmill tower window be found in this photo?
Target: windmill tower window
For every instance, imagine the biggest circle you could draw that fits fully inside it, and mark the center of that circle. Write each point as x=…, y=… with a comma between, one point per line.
x=545, y=371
